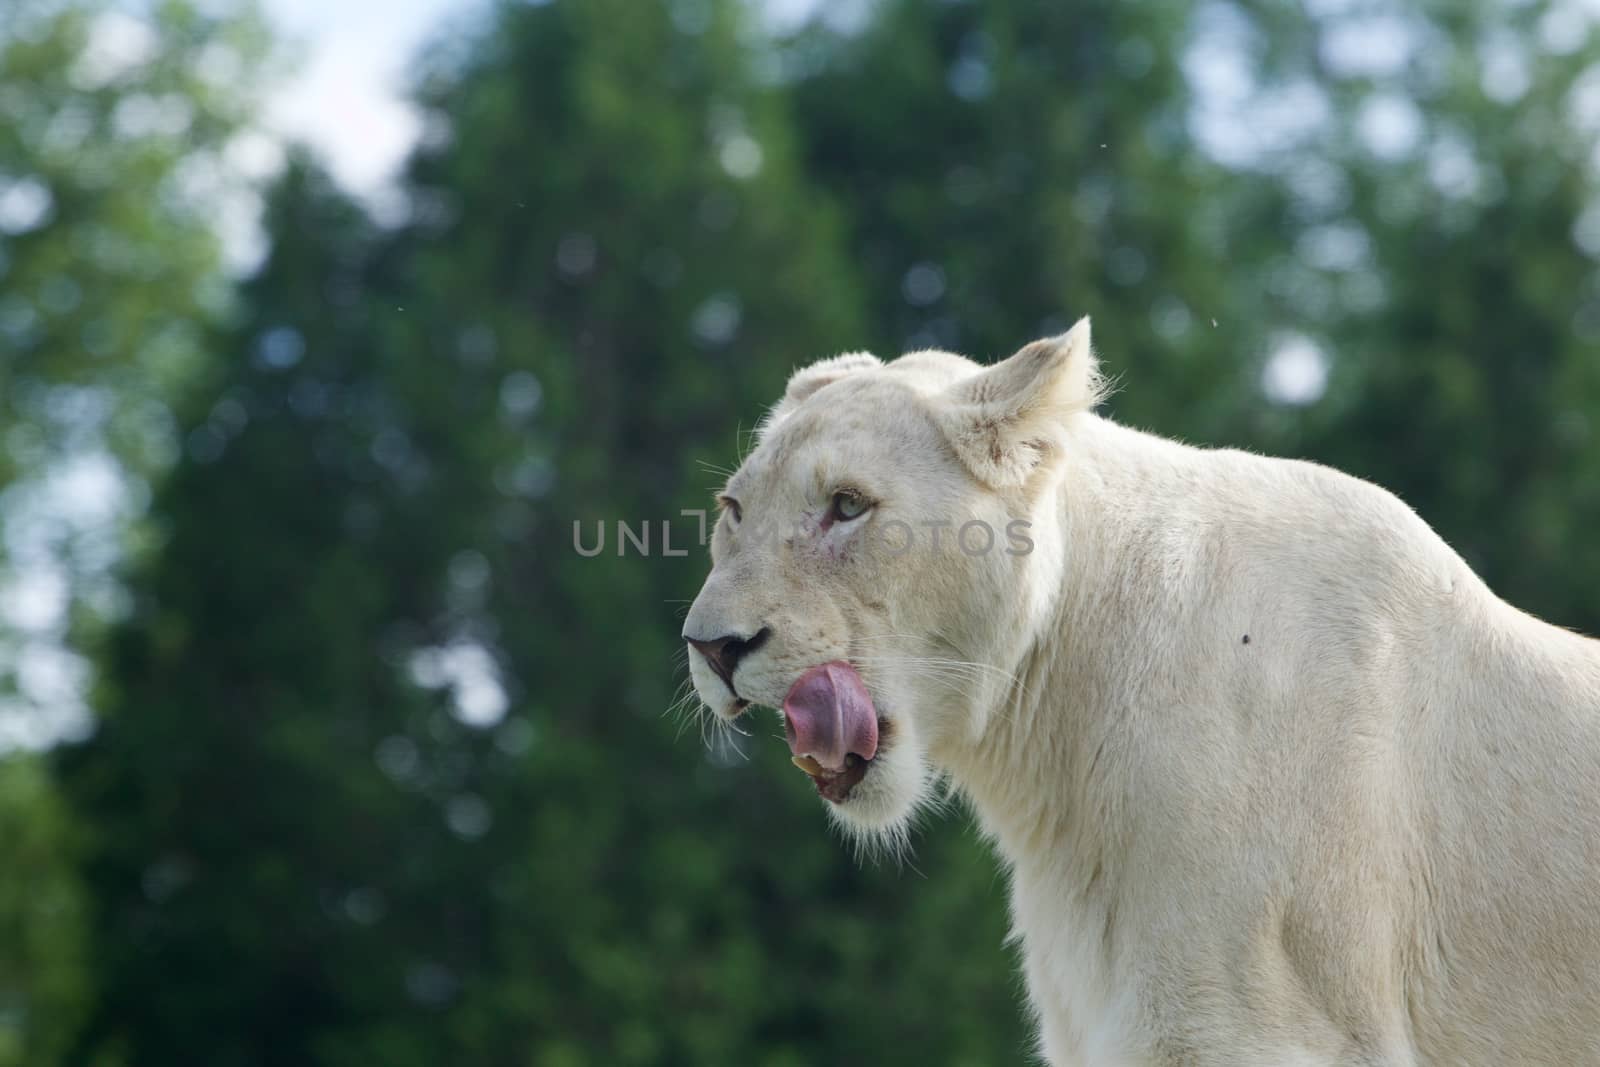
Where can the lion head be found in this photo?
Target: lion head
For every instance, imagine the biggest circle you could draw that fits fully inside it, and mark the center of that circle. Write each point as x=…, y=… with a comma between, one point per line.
x=883, y=559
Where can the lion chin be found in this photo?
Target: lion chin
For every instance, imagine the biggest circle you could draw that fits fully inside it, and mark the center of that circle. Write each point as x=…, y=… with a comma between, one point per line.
x=1277, y=778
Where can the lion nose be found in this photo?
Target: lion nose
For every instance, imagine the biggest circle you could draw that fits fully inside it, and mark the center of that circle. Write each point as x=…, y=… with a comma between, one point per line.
x=724, y=653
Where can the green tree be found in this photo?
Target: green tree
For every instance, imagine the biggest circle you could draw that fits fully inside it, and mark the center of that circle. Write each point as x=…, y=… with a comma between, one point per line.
x=1461, y=302
x=120, y=140
x=1009, y=166
x=675, y=269
x=43, y=972
x=383, y=774
x=113, y=129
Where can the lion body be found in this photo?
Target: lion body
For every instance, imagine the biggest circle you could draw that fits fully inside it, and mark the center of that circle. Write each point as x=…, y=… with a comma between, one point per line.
x=1277, y=779
x=1288, y=783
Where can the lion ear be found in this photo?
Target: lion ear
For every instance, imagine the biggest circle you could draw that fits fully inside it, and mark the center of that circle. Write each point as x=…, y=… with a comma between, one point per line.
x=1008, y=421
x=807, y=380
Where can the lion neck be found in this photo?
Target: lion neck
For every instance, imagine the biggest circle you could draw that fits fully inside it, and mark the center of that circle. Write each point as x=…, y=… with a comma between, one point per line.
x=1089, y=648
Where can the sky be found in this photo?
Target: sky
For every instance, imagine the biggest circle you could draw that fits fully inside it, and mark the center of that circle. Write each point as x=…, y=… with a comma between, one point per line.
x=346, y=97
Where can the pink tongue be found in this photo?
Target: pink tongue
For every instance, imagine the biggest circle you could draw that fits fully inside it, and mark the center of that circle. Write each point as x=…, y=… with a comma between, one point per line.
x=828, y=715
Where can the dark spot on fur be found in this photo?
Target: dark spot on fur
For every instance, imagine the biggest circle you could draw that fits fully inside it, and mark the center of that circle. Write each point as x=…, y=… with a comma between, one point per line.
x=1247, y=639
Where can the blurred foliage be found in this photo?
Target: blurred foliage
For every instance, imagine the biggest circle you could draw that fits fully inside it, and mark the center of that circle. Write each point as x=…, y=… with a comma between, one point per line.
x=115, y=128
x=383, y=773
x=411, y=423
x=1056, y=176
x=1466, y=314
x=43, y=975
x=115, y=139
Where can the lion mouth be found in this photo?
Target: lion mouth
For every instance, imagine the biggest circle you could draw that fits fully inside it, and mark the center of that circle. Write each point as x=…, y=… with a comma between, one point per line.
x=832, y=728
x=835, y=786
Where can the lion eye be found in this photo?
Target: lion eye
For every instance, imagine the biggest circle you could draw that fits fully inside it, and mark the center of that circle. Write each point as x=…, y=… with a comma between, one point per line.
x=848, y=504
x=731, y=506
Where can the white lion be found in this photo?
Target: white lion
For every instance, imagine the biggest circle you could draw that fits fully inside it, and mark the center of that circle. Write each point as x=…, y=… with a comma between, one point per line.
x=1277, y=778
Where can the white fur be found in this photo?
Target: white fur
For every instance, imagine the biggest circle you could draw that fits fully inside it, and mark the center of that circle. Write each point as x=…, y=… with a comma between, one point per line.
x=1369, y=835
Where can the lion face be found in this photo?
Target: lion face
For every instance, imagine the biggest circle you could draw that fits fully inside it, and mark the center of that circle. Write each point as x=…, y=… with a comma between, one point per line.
x=877, y=559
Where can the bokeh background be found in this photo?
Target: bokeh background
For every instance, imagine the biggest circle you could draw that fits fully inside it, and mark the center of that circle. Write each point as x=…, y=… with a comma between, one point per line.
x=320, y=744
